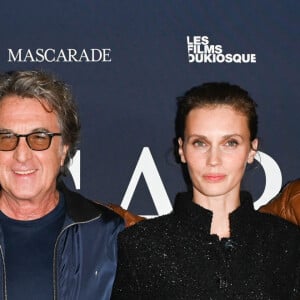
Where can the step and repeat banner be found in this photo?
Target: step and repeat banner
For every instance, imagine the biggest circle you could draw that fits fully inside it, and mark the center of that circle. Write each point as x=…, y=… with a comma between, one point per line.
x=127, y=61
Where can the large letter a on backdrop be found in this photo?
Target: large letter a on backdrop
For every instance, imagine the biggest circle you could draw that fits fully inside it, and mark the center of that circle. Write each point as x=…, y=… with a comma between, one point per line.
x=147, y=167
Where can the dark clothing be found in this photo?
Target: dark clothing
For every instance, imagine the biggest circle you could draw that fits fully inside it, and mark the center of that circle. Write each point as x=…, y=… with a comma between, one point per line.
x=176, y=257
x=85, y=252
x=29, y=254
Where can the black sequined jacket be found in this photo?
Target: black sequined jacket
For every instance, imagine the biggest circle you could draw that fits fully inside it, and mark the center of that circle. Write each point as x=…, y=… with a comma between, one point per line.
x=175, y=256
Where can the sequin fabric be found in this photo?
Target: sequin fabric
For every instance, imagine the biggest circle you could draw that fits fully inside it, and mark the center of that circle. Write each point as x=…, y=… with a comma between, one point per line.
x=175, y=256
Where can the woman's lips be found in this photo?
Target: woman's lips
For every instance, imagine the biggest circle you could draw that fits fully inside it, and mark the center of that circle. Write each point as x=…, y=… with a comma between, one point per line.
x=214, y=177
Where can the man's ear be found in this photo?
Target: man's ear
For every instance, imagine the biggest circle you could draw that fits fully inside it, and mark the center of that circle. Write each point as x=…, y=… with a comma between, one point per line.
x=181, y=151
x=64, y=154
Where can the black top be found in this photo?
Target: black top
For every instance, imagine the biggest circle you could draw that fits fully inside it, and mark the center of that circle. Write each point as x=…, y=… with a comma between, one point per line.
x=29, y=250
x=176, y=257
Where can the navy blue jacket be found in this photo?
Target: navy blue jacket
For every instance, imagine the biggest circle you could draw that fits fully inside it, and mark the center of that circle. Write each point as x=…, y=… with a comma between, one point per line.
x=85, y=254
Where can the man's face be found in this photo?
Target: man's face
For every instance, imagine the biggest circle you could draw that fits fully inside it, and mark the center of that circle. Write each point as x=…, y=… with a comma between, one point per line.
x=27, y=174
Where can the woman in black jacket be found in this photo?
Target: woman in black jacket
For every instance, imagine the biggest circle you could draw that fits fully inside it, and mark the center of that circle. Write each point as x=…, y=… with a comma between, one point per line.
x=214, y=245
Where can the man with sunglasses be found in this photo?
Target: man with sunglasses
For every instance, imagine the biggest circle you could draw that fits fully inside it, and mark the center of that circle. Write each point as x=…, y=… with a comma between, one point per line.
x=54, y=243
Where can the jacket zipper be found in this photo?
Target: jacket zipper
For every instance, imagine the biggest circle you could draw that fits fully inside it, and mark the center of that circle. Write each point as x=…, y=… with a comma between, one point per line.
x=54, y=256
x=4, y=274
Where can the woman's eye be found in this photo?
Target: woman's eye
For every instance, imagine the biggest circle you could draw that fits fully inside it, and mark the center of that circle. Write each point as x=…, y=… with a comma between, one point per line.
x=231, y=143
x=199, y=144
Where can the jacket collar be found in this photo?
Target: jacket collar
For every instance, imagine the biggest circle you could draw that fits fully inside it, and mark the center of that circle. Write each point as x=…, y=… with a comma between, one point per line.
x=78, y=208
x=199, y=219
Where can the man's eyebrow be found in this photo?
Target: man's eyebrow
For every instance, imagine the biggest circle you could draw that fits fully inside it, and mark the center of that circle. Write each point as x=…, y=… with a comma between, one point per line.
x=5, y=130
x=39, y=129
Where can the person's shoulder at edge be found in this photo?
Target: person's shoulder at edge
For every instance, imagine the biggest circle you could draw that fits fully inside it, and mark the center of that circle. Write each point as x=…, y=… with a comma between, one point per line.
x=269, y=220
x=130, y=218
x=286, y=204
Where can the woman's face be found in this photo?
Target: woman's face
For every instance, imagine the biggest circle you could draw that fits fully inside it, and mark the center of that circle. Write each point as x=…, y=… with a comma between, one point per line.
x=216, y=148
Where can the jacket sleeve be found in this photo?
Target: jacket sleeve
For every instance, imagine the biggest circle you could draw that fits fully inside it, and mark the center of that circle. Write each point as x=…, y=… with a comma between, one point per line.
x=286, y=204
x=126, y=283
x=128, y=217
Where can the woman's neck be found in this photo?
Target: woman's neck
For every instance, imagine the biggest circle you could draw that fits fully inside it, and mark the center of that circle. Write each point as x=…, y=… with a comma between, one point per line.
x=221, y=207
